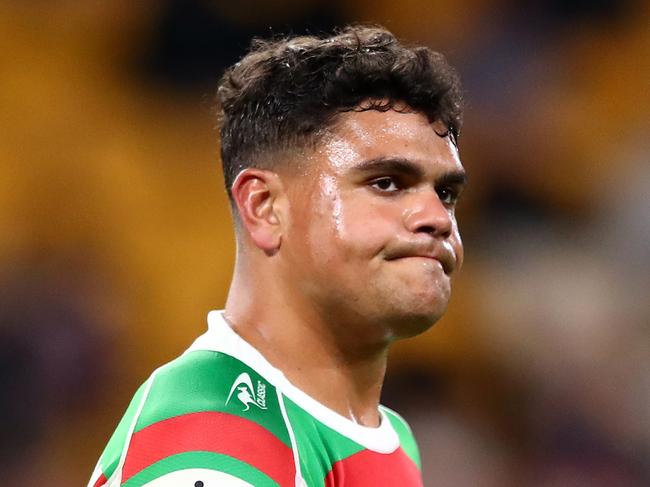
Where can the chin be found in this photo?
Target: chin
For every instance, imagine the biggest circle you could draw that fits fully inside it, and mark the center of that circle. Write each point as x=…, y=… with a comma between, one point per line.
x=415, y=319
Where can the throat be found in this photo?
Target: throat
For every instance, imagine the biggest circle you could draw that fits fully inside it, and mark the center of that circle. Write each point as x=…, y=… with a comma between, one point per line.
x=347, y=381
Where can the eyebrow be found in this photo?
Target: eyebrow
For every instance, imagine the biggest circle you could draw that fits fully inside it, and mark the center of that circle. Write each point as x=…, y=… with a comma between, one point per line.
x=407, y=167
x=453, y=178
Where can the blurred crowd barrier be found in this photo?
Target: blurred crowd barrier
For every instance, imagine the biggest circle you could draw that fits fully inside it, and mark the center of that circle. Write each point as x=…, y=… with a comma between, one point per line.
x=116, y=236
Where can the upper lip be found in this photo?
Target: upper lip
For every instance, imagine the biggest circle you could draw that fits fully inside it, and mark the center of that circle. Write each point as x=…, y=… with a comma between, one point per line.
x=440, y=253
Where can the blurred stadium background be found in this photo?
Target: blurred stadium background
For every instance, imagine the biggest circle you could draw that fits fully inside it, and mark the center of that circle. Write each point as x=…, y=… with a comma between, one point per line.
x=115, y=233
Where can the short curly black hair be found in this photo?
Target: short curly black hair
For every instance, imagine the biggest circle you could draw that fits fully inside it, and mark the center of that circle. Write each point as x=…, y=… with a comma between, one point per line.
x=284, y=92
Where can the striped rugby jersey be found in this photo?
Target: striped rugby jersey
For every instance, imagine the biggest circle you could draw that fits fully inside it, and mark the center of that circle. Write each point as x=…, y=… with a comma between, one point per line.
x=221, y=415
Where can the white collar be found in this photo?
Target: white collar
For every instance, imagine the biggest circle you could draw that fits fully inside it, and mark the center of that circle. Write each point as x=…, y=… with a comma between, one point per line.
x=220, y=337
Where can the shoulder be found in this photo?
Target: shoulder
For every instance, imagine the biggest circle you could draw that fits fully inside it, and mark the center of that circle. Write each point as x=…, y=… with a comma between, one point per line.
x=397, y=421
x=211, y=384
x=206, y=410
x=403, y=430
x=196, y=381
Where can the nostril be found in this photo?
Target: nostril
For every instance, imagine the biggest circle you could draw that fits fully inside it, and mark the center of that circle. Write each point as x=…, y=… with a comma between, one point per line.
x=426, y=229
x=443, y=232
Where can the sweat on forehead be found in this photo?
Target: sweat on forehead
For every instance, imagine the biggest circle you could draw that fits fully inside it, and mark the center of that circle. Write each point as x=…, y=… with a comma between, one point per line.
x=361, y=137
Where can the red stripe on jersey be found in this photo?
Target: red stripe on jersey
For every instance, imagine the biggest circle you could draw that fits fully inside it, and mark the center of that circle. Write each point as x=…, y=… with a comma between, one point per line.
x=100, y=481
x=214, y=432
x=370, y=469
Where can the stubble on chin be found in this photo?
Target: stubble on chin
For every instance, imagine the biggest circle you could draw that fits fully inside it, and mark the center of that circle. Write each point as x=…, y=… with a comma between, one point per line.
x=407, y=309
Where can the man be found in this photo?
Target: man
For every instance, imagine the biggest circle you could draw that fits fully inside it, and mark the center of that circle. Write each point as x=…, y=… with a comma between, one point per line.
x=341, y=164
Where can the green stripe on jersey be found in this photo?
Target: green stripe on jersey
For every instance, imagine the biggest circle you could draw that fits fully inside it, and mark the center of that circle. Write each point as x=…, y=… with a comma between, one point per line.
x=406, y=439
x=202, y=460
x=113, y=451
x=202, y=381
x=319, y=446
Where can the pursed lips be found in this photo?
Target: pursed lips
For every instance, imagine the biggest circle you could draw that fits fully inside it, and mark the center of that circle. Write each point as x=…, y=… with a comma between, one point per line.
x=444, y=257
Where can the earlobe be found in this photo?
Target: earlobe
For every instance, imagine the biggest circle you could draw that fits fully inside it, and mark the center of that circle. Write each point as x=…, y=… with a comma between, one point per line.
x=255, y=193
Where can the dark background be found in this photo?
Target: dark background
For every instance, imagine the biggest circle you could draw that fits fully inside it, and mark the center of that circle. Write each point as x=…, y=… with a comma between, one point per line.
x=115, y=235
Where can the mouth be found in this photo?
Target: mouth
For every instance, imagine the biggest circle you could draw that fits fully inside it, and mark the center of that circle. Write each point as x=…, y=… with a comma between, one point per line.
x=446, y=262
x=447, y=269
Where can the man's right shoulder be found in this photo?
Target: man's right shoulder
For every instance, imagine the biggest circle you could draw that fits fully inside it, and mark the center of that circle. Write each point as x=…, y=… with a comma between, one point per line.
x=205, y=409
x=201, y=380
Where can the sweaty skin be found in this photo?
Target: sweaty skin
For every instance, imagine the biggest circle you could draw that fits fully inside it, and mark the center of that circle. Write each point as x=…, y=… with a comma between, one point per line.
x=365, y=244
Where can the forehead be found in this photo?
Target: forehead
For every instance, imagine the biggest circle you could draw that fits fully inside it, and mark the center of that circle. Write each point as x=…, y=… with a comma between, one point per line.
x=370, y=134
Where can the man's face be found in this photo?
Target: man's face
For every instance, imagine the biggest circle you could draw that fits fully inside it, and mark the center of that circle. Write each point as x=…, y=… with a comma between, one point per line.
x=372, y=235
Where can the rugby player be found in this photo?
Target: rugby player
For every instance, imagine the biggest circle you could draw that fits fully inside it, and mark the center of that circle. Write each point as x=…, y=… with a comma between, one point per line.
x=340, y=158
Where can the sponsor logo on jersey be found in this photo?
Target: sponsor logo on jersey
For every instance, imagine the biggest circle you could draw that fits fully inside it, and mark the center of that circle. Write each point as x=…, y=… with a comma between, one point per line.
x=246, y=394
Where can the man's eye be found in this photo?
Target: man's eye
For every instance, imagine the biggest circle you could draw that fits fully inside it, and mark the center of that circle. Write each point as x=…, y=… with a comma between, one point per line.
x=384, y=184
x=448, y=196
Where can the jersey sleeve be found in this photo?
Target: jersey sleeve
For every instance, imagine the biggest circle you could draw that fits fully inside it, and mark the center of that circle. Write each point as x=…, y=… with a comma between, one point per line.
x=202, y=420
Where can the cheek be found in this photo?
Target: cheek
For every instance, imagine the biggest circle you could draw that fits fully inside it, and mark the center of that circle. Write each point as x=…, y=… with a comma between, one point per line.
x=366, y=227
x=457, y=243
x=346, y=228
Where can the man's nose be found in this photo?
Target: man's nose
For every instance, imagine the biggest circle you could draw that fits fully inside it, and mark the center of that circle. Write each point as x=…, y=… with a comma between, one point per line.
x=428, y=214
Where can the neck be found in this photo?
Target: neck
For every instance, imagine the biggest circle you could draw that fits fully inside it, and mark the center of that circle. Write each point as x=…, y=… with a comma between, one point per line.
x=322, y=356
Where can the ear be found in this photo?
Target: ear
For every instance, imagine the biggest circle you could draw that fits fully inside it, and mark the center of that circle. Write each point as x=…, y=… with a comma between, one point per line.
x=256, y=193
